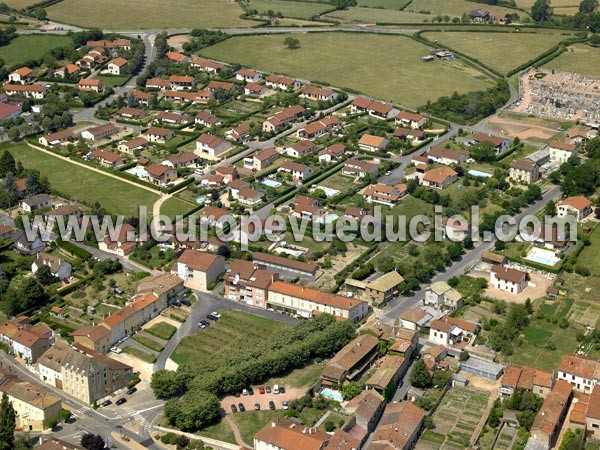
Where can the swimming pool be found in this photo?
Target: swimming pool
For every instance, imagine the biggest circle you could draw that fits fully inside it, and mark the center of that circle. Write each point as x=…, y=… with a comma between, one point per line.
x=200, y=199
x=138, y=171
x=477, y=173
x=542, y=256
x=331, y=394
x=271, y=183
x=329, y=192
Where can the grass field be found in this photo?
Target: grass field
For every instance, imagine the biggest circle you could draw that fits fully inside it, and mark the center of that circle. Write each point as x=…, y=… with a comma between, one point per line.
x=580, y=58
x=374, y=15
x=590, y=255
x=299, y=378
x=367, y=68
x=250, y=422
x=146, y=341
x=82, y=184
x=19, y=4
x=144, y=356
x=500, y=51
x=299, y=10
x=28, y=47
x=226, y=333
x=175, y=206
x=387, y=4
x=162, y=330
x=156, y=13
x=113, y=81
x=456, y=8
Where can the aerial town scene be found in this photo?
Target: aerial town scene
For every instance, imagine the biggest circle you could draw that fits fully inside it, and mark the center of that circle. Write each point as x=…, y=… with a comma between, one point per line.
x=300, y=224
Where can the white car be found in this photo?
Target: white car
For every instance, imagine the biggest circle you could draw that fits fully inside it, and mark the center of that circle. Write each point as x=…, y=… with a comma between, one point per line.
x=388, y=173
x=116, y=350
x=276, y=389
x=216, y=314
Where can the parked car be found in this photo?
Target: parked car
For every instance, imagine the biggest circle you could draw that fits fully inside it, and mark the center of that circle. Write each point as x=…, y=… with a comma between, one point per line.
x=244, y=391
x=268, y=389
x=121, y=401
x=212, y=317
x=261, y=390
x=186, y=302
x=276, y=389
x=202, y=325
x=285, y=405
x=106, y=403
x=177, y=304
x=242, y=407
x=281, y=390
x=272, y=405
x=233, y=408
x=237, y=394
x=388, y=173
x=116, y=350
x=131, y=391
x=216, y=314
x=250, y=391
x=257, y=407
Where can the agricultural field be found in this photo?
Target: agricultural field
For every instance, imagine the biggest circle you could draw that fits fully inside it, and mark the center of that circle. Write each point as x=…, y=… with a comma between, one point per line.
x=376, y=15
x=84, y=185
x=226, y=333
x=28, y=47
x=176, y=206
x=387, y=4
x=299, y=10
x=456, y=419
x=580, y=58
x=19, y=4
x=456, y=8
x=500, y=51
x=404, y=78
x=116, y=14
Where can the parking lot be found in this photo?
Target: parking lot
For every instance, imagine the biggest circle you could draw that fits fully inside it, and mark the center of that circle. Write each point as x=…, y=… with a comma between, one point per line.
x=262, y=399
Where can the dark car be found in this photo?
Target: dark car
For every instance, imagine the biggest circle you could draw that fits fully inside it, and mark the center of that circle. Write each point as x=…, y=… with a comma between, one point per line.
x=268, y=389
x=133, y=390
x=238, y=394
x=121, y=401
x=186, y=302
x=242, y=407
x=204, y=324
x=177, y=304
x=272, y=405
x=233, y=409
x=106, y=403
x=211, y=316
x=250, y=391
x=257, y=407
x=281, y=390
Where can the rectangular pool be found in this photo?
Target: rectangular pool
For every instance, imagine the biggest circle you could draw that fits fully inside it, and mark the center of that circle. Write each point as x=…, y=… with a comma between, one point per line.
x=331, y=394
x=542, y=256
x=479, y=174
x=271, y=183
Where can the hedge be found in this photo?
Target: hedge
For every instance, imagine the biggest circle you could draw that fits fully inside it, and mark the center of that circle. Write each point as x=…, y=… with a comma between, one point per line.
x=73, y=249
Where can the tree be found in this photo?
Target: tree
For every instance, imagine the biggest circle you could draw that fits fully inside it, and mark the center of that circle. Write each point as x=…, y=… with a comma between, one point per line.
x=7, y=423
x=7, y=164
x=165, y=384
x=419, y=375
x=351, y=390
x=40, y=14
x=23, y=442
x=588, y=6
x=550, y=208
x=464, y=355
x=91, y=441
x=291, y=43
x=224, y=251
x=192, y=411
x=14, y=134
x=541, y=10
x=594, y=40
x=44, y=275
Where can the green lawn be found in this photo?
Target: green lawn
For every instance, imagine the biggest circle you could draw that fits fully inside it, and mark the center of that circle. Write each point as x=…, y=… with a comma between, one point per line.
x=500, y=51
x=28, y=47
x=19, y=4
x=227, y=332
x=299, y=10
x=220, y=431
x=176, y=206
x=590, y=255
x=375, y=15
x=536, y=336
x=162, y=330
x=149, y=14
x=367, y=68
x=456, y=8
x=113, y=81
x=387, y=4
x=299, y=378
x=82, y=184
x=147, y=342
x=251, y=421
x=580, y=58
x=144, y=356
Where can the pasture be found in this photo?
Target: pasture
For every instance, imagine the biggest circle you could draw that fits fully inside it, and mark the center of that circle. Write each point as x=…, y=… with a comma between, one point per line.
x=368, y=68
x=376, y=15
x=157, y=14
x=500, y=51
x=580, y=58
x=456, y=8
x=234, y=327
x=19, y=4
x=82, y=184
x=387, y=4
x=28, y=47
x=298, y=10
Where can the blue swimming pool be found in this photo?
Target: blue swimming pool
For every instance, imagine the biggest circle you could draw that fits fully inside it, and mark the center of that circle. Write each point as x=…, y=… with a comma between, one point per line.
x=271, y=183
x=138, y=171
x=200, y=199
x=543, y=256
x=331, y=394
x=479, y=174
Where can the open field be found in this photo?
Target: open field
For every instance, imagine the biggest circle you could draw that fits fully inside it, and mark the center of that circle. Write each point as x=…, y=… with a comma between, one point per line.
x=590, y=255
x=299, y=10
x=113, y=81
x=456, y=8
x=27, y=47
x=387, y=4
x=84, y=185
x=225, y=333
x=579, y=58
x=158, y=14
x=323, y=57
x=19, y=4
x=500, y=51
x=175, y=206
x=250, y=422
x=375, y=15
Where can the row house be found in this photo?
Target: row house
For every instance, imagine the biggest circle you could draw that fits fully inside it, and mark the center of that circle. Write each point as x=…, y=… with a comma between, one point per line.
x=248, y=75
x=376, y=109
x=34, y=91
x=282, y=82
x=208, y=119
x=207, y=65
x=282, y=118
x=173, y=118
x=538, y=381
x=318, y=94
x=100, y=132
x=226, y=86
x=90, y=85
x=182, y=82
x=24, y=340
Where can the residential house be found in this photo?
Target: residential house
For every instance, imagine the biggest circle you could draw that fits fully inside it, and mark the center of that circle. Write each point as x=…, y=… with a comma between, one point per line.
x=255, y=89
x=159, y=135
x=199, y=270
x=59, y=268
x=319, y=128
x=66, y=71
x=440, y=178
x=133, y=146
x=157, y=83
x=33, y=202
x=173, y=118
x=360, y=168
x=450, y=330
x=161, y=175
x=385, y=194
x=592, y=415
x=262, y=159
x=56, y=444
x=412, y=120
x=247, y=75
x=560, y=152
x=35, y=408
x=240, y=133
x=549, y=420
x=109, y=159
x=207, y=65
x=307, y=302
x=372, y=143
x=499, y=144
x=128, y=113
x=248, y=282
x=373, y=108
x=23, y=75
x=58, y=138
x=353, y=360
x=525, y=170
x=457, y=229
x=26, y=341
x=229, y=173
x=443, y=297
x=250, y=197
x=27, y=246
x=507, y=279
x=117, y=66
x=414, y=318
x=280, y=264
x=177, y=57
x=99, y=132
x=214, y=86
x=415, y=136
x=355, y=213
x=367, y=408
x=141, y=97
x=318, y=94
x=307, y=207
x=90, y=85
x=398, y=428
x=480, y=15
x=122, y=242
x=282, y=82
x=578, y=206
x=447, y=157
x=538, y=381
x=182, y=82
x=283, y=118
x=211, y=147
x=332, y=153
x=299, y=149
x=34, y=91
x=6, y=232
x=298, y=171
x=182, y=160
x=208, y=119
x=9, y=110
x=579, y=134
x=581, y=372
x=389, y=370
